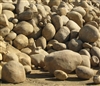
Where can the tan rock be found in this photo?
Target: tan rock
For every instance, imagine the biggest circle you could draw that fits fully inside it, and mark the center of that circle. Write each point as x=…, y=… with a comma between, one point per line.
x=59, y=59
x=9, y=14
x=13, y=72
x=41, y=42
x=61, y=75
x=92, y=33
x=23, y=28
x=84, y=72
x=21, y=41
x=48, y=31
x=3, y=20
x=63, y=34
x=8, y=6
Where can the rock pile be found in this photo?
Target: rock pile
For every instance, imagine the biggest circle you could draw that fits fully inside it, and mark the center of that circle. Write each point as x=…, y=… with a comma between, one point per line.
x=62, y=35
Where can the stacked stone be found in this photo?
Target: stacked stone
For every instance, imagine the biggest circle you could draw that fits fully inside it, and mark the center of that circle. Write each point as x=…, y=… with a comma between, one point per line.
x=60, y=36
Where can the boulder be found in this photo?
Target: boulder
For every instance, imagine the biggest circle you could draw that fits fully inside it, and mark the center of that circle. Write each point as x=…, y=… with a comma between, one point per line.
x=76, y=17
x=24, y=27
x=84, y=72
x=72, y=25
x=13, y=72
x=62, y=34
x=21, y=41
x=57, y=21
x=65, y=60
x=75, y=45
x=48, y=31
x=92, y=33
x=38, y=60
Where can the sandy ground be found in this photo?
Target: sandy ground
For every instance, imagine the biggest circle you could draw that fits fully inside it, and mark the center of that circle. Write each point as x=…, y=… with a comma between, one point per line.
x=41, y=78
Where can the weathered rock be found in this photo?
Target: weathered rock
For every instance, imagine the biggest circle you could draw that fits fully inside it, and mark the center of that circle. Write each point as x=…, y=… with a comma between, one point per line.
x=11, y=36
x=57, y=21
x=65, y=19
x=8, y=6
x=41, y=42
x=74, y=34
x=21, y=41
x=76, y=17
x=54, y=2
x=31, y=43
x=62, y=11
x=73, y=25
x=9, y=14
x=62, y=35
x=94, y=61
x=39, y=50
x=59, y=46
x=3, y=20
x=20, y=5
x=4, y=31
x=48, y=31
x=95, y=51
x=26, y=50
x=13, y=72
x=87, y=45
x=26, y=15
x=84, y=52
x=38, y=60
x=75, y=45
x=23, y=28
x=80, y=10
x=61, y=75
x=59, y=59
x=10, y=56
x=3, y=48
x=24, y=59
x=84, y=72
x=92, y=33
x=41, y=10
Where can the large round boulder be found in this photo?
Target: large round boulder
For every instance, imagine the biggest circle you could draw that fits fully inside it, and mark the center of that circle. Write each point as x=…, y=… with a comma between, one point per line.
x=24, y=27
x=92, y=34
x=13, y=72
x=65, y=60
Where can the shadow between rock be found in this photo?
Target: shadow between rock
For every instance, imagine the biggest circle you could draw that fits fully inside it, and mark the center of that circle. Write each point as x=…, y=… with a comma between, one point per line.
x=39, y=75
